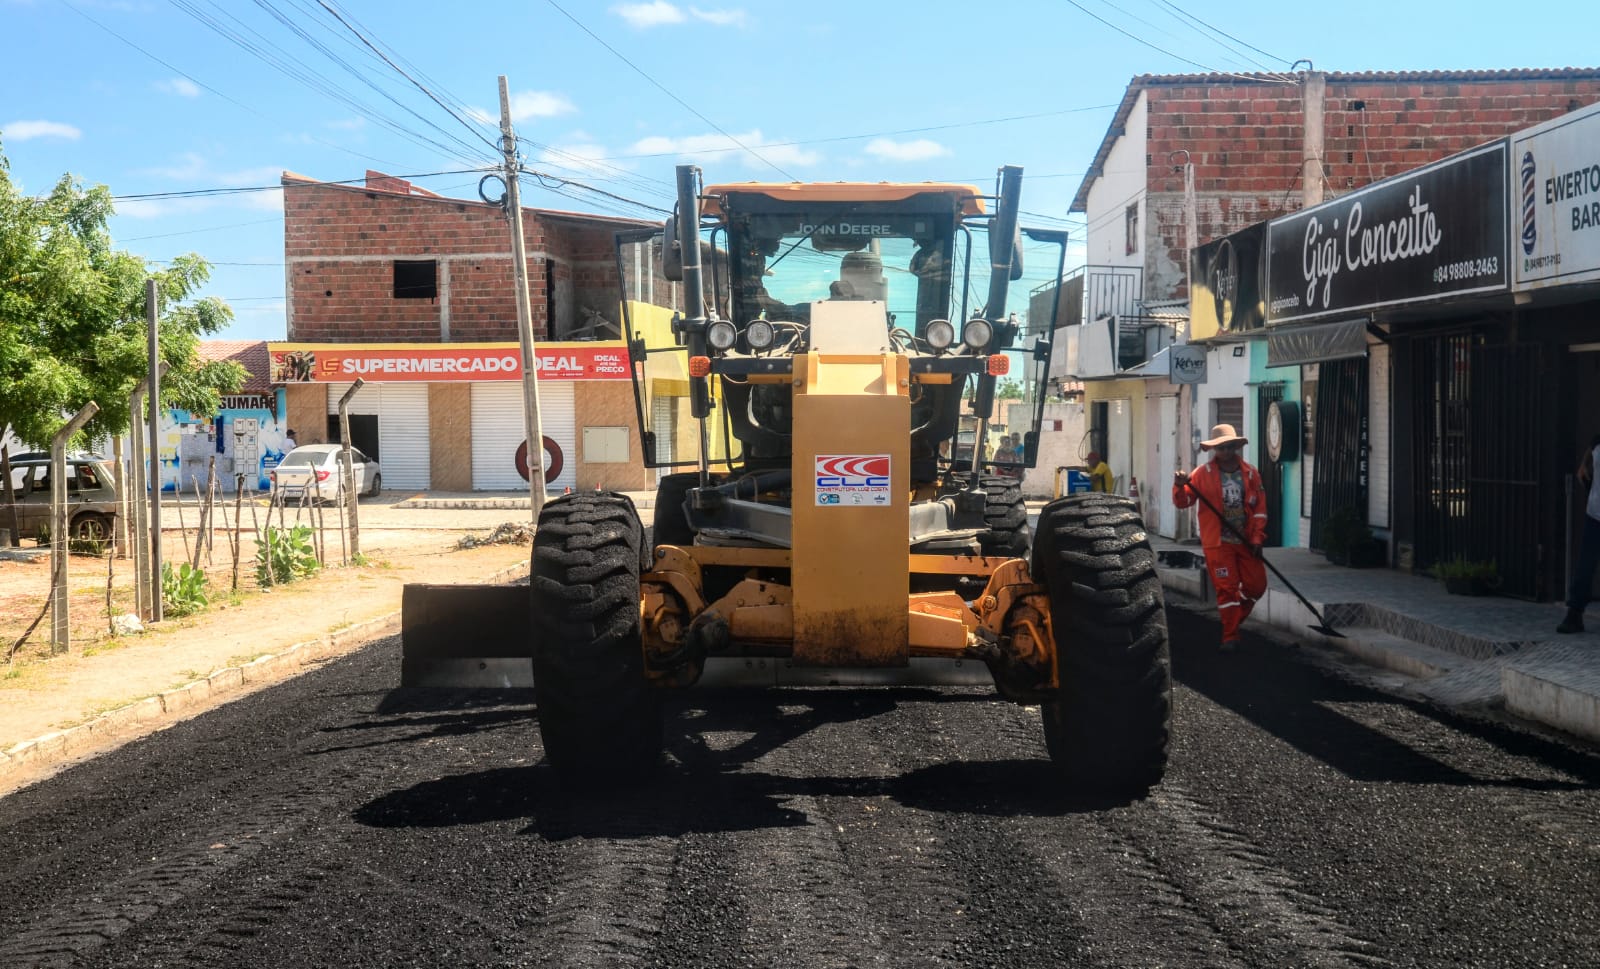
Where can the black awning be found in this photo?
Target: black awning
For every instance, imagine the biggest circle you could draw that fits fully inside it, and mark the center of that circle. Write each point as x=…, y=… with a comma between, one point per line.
x=1290, y=346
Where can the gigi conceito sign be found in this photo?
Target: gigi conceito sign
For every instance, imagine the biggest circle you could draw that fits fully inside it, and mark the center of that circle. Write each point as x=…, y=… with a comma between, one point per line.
x=1435, y=232
x=442, y=362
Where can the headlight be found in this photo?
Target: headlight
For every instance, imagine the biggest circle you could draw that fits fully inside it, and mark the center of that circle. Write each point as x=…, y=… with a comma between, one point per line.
x=759, y=334
x=977, y=333
x=940, y=334
x=721, y=334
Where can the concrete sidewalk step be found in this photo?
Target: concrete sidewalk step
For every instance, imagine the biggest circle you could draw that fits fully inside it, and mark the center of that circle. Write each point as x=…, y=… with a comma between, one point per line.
x=1556, y=684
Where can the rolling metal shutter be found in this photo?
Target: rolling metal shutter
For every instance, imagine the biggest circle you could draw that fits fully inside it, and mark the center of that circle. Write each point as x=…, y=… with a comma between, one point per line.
x=1378, y=440
x=366, y=402
x=497, y=432
x=403, y=435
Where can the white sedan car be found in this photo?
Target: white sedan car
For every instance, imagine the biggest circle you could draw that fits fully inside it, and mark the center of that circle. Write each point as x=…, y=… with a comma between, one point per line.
x=314, y=469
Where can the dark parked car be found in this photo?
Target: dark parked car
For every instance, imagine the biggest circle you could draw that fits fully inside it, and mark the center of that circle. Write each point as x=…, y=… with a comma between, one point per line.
x=92, y=506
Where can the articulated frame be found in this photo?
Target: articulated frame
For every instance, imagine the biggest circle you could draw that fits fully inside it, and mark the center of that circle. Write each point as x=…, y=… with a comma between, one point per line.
x=1008, y=627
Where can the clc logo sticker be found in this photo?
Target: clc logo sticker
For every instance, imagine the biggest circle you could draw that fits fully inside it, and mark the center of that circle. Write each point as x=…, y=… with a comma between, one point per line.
x=852, y=470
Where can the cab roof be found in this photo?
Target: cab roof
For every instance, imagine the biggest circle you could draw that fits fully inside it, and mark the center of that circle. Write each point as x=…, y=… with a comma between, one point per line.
x=967, y=196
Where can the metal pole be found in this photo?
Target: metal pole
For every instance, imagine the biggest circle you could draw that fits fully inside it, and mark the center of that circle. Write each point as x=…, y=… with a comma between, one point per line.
x=60, y=626
x=347, y=470
x=153, y=344
x=139, y=498
x=694, y=298
x=519, y=261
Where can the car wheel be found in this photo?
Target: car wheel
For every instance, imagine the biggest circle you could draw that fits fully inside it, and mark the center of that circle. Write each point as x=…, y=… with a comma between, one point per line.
x=92, y=527
x=377, y=485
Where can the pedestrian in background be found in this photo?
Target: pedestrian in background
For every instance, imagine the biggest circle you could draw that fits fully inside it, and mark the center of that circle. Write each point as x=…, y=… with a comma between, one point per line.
x=1099, y=473
x=288, y=441
x=1588, y=548
x=1233, y=526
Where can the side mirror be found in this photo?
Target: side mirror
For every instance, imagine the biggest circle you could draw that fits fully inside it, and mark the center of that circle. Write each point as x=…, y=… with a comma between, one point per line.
x=671, y=251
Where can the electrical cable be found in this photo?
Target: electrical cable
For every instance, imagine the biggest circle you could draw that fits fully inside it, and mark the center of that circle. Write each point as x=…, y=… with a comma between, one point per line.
x=662, y=88
x=200, y=192
x=1218, y=30
x=1136, y=38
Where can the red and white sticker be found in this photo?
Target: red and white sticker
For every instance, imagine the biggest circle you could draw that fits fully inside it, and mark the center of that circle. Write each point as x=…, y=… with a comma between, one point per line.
x=852, y=480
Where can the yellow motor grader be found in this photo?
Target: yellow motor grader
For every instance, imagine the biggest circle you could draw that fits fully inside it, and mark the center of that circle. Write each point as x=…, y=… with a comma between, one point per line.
x=840, y=499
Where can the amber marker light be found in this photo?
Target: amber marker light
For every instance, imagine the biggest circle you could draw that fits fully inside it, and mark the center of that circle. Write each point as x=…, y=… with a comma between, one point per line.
x=999, y=365
x=699, y=366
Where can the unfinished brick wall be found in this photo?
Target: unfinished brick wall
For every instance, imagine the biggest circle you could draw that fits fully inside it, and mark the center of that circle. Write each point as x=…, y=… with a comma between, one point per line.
x=1245, y=141
x=341, y=244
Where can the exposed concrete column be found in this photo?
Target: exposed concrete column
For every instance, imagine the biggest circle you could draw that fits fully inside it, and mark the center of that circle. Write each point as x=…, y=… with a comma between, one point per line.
x=1313, y=93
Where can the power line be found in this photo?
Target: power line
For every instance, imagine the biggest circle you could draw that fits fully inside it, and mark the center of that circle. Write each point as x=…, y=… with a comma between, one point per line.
x=187, y=232
x=201, y=192
x=1136, y=38
x=566, y=182
x=1224, y=33
x=662, y=88
x=199, y=83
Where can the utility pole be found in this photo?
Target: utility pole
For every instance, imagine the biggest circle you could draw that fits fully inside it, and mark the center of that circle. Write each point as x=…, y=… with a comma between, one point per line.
x=1313, y=92
x=153, y=343
x=519, y=261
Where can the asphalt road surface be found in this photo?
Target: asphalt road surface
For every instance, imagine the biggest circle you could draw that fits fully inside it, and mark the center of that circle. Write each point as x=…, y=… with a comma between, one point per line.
x=1306, y=821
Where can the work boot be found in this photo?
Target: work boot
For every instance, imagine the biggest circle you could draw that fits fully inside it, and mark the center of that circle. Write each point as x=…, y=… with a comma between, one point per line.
x=1573, y=623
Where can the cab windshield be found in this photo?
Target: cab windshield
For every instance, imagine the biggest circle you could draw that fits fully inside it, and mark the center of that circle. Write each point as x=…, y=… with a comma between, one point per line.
x=780, y=263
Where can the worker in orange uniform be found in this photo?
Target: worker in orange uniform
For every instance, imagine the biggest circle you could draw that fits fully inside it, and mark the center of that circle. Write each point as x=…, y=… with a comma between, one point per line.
x=1233, y=525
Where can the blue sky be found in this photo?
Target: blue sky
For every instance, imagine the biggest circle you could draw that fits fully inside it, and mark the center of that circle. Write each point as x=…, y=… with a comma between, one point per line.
x=150, y=96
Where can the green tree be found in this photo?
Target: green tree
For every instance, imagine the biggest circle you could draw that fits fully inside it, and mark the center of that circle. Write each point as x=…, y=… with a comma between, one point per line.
x=1009, y=390
x=72, y=317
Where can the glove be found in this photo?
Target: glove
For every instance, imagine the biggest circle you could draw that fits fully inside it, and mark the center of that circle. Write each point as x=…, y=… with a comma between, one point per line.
x=1180, y=478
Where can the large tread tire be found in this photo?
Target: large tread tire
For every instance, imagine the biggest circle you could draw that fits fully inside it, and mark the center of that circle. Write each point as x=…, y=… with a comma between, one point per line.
x=671, y=525
x=1005, y=517
x=599, y=718
x=1109, y=730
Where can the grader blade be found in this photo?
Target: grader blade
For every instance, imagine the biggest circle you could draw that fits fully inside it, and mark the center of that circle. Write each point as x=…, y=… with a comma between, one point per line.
x=466, y=636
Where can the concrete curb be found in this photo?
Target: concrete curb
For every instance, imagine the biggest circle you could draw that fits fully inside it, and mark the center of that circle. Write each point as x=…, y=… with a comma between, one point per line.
x=1538, y=688
x=492, y=504
x=134, y=719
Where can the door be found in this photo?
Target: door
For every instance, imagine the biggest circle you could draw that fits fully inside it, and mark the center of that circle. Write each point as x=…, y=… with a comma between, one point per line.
x=403, y=433
x=1166, y=466
x=1339, y=480
x=1271, y=471
x=498, y=431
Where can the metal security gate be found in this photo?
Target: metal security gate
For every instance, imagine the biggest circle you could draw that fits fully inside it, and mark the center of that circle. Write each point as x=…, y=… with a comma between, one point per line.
x=1339, y=480
x=1271, y=471
x=1476, y=457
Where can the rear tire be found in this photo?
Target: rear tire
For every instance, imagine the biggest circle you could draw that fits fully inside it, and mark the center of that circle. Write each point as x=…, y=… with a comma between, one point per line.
x=93, y=527
x=1109, y=730
x=671, y=521
x=1005, y=517
x=599, y=718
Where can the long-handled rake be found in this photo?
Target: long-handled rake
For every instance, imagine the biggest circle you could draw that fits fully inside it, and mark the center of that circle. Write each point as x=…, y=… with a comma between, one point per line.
x=1323, y=628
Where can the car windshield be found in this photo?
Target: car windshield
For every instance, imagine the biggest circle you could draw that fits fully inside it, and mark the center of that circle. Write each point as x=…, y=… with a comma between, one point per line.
x=301, y=458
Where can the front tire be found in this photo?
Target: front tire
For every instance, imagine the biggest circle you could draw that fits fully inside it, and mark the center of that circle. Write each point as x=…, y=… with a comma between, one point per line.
x=377, y=485
x=598, y=716
x=1109, y=729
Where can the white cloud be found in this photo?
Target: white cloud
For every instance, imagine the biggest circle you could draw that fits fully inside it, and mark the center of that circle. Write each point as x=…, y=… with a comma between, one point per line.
x=722, y=18
x=346, y=124
x=526, y=105
x=643, y=16
x=25, y=130
x=920, y=149
x=724, y=145
x=181, y=86
x=195, y=171
x=580, y=156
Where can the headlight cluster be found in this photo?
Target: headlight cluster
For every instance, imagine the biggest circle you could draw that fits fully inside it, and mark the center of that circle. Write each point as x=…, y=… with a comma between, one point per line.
x=941, y=334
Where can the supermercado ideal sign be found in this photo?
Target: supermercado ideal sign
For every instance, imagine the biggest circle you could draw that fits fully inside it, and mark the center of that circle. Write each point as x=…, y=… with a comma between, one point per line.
x=442, y=362
x=1555, y=199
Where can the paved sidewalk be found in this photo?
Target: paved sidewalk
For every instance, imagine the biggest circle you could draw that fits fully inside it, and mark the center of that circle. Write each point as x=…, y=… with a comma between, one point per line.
x=642, y=500
x=1485, y=651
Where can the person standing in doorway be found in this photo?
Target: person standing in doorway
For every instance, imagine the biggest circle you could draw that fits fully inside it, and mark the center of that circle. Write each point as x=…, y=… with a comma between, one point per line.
x=1588, y=548
x=1233, y=526
x=1099, y=473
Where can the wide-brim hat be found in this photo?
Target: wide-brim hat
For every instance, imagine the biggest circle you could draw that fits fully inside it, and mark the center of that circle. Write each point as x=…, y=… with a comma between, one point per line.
x=1224, y=434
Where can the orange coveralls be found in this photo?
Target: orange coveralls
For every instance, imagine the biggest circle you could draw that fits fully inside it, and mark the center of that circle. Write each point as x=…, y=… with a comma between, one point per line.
x=1239, y=577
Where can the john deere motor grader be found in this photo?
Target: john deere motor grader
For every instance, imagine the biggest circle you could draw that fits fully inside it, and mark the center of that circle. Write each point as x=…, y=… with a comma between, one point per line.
x=809, y=354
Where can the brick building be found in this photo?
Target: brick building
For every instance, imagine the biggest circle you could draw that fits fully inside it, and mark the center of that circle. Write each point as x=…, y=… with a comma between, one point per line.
x=385, y=274
x=1248, y=149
